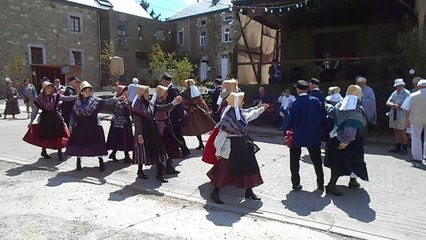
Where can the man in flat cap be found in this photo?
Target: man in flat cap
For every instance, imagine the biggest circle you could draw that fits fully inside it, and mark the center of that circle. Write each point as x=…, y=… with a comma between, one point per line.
x=305, y=117
x=315, y=91
x=177, y=115
x=70, y=90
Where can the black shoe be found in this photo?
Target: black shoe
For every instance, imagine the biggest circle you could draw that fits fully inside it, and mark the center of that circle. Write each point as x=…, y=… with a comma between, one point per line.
x=101, y=165
x=215, y=197
x=60, y=156
x=169, y=168
x=161, y=179
x=79, y=168
x=333, y=190
x=353, y=183
x=403, y=152
x=142, y=176
x=45, y=155
x=297, y=188
x=200, y=147
x=250, y=194
x=112, y=156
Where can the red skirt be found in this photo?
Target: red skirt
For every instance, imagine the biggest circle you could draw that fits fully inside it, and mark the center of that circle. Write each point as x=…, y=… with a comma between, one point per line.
x=32, y=137
x=209, y=154
x=220, y=177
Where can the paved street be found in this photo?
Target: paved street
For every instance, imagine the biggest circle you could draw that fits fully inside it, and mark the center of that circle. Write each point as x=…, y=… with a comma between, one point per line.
x=390, y=206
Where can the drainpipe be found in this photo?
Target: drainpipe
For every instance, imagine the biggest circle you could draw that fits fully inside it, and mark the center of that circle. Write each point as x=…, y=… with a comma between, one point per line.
x=100, y=49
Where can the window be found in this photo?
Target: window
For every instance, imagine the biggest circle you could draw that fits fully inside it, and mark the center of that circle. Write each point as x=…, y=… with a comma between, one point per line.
x=122, y=43
x=140, y=35
x=226, y=34
x=227, y=17
x=203, y=38
x=122, y=28
x=37, y=54
x=202, y=22
x=180, y=37
x=76, y=58
x=75, y=23
x=160, y=35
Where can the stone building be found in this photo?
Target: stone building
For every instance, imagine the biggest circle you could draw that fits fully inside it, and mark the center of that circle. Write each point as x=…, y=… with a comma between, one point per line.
x=202, y=32
x=74, y=32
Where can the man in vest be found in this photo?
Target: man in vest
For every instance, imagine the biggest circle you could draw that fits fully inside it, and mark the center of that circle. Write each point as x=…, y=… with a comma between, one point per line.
x=415, y=117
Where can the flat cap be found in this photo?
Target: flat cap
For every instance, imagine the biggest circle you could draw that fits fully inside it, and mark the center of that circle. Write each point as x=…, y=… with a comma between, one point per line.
x=302, y=84
x=167, y=77
x=315, y=81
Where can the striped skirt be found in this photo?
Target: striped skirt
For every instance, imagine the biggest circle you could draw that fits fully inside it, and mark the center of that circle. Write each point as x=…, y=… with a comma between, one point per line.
x=141, y=155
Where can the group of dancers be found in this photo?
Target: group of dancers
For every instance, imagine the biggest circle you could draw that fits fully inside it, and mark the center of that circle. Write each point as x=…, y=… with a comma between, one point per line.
x=160, y=122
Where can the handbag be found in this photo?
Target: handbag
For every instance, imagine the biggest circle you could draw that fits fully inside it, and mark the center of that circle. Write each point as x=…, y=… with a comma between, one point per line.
x=252, y=145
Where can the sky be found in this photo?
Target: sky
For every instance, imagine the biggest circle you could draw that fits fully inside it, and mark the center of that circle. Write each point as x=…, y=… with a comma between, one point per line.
x=168, y=7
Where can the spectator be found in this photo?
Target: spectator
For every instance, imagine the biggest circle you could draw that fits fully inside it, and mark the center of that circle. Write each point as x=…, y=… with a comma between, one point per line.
x=285, y=100
x=59, y=87
x=415, y=117
x=214, y=93
x=12, y=105
x=262, y=97
x=368, y=100
x=275, y=72
x=29, y=93
x=132, y=90
x=397, y=116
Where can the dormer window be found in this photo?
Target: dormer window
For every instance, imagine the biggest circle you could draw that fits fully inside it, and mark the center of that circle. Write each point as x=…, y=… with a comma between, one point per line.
x=105, y=3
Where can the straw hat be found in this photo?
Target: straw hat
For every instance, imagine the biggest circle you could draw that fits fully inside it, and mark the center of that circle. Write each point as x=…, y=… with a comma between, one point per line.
x=189, y=82
x=228, y=86
x=233, y=96
x=354, y=90
x=120, y=89
x=85, y=84
x=160, y=90
x=141, y=89
x=45, y=84
x=333, y=90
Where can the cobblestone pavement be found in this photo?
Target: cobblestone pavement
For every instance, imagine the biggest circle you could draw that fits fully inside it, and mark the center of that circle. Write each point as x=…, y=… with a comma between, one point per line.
x=390, y=206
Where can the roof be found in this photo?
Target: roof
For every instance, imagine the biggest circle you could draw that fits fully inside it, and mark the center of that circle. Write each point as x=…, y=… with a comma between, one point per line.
x=201, y=7
x=130, y=7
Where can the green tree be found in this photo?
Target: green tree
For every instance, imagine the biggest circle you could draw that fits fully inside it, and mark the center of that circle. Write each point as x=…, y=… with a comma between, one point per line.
x=160, y=62
x=106, y=55
x=16, y=68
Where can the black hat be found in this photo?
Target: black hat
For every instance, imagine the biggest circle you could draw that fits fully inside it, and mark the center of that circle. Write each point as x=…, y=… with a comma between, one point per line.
x=315, y=81
x=167, y=77
x=73, y=78
x=302, y=84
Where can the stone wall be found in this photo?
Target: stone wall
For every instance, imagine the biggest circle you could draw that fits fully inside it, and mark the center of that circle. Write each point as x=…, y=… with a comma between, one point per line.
x=46, y=23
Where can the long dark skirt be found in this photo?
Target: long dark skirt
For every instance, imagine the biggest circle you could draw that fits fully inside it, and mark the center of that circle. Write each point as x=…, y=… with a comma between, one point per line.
x=87, y=139
x=120, y=139
x=240, y=170
x=344, y=162
x=12, y=107
x=171, y=144
x=153, y=151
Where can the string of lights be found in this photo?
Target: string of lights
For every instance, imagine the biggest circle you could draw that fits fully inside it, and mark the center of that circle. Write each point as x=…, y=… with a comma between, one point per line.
x=269, y=8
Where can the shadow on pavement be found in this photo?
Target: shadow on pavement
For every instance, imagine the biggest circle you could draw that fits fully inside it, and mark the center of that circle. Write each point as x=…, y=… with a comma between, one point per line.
x=41, y=164
x=86, y=174
x=140, y=186
x=355, y=202
x=303, y=203
x=232, y=210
